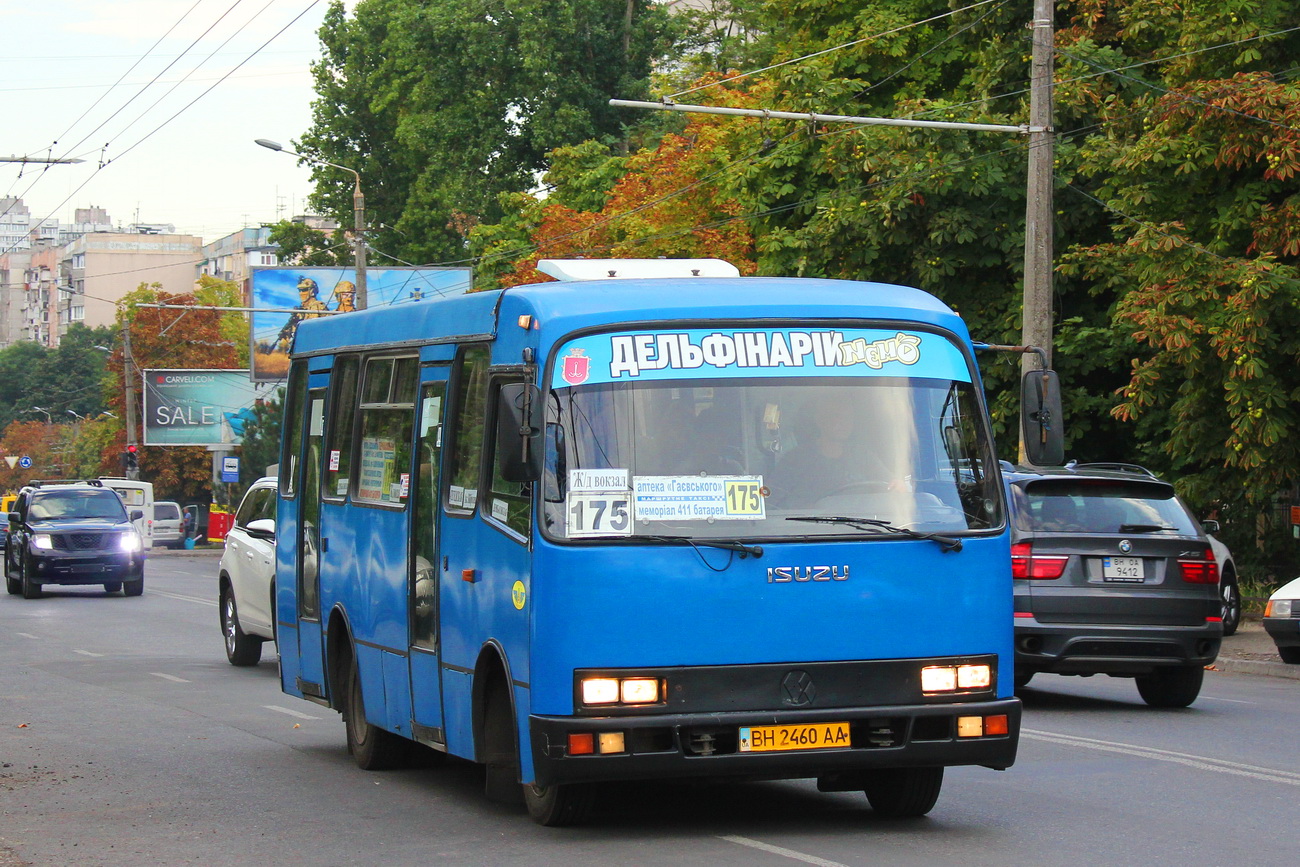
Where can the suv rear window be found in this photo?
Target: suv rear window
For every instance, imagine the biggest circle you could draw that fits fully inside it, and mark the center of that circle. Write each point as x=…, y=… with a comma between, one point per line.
x=102, y=504
x=1100, y=506
x=166, y=512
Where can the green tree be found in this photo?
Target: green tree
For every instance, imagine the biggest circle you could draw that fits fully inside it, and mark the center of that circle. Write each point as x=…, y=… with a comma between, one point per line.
x=443, y=106
x=299, y=244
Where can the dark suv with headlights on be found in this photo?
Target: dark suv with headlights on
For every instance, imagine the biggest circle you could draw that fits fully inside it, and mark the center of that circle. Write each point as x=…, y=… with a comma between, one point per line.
x=75, y=532
x=1113, y=576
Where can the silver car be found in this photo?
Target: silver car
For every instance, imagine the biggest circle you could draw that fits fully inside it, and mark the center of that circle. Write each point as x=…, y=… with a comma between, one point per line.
x=246, y=579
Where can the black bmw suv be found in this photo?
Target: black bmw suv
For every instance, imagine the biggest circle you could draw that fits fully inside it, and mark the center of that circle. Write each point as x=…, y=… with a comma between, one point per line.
x=1113, y=576
x=72, y=533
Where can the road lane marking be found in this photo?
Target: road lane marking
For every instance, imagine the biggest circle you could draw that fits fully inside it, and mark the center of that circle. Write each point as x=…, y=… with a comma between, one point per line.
x=779, y=850
x=292, y=713
x=1232, y=700
x=173, y=678
x=87, y=653
x=1204, y=763
x=184, y=598
x=25, y=634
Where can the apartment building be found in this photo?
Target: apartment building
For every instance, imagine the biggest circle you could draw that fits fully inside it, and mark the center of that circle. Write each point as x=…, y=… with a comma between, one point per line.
x=100, y=268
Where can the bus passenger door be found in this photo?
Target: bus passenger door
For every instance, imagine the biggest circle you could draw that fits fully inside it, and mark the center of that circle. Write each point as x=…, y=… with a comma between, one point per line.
x=425, y=570
x=311, y=652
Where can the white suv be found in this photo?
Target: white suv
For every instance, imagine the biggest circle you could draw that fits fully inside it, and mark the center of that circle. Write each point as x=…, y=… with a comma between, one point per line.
x=246, y=579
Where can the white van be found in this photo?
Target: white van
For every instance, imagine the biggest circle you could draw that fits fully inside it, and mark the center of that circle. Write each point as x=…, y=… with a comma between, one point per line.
x=136, y=495
x=167, y=524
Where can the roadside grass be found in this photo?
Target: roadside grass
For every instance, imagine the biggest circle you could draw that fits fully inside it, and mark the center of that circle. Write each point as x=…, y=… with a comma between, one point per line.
x=1254, y=593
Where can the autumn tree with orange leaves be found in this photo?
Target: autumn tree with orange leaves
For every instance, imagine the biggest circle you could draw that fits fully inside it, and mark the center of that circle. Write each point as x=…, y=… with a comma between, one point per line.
x=169, y=338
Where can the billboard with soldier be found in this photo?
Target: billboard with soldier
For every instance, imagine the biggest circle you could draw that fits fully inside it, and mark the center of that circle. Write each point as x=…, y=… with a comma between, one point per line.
x=283, y=297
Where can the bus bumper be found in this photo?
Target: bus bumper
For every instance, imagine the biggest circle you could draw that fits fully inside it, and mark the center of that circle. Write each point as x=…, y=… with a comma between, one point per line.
x=708, y=745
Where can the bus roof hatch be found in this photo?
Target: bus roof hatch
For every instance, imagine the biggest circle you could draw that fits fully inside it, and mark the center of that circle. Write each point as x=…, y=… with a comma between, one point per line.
x=569, y=270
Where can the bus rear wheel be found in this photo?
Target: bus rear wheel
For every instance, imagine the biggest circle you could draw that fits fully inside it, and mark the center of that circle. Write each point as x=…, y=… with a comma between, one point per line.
x=904, y=792
x=372, y=748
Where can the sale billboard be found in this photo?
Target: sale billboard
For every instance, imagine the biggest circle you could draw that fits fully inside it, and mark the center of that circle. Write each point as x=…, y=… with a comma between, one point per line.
x=198, y=407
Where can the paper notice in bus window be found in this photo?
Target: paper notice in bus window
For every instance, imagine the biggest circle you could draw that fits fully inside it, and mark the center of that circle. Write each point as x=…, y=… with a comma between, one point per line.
x=378, y=456
x=698, y=498
x=341, y=490
x=334, y=460
x=405, y=488
x=456, y=497
x=316, y=427
x=430, y=414
x=500, y=510
x=598, y=480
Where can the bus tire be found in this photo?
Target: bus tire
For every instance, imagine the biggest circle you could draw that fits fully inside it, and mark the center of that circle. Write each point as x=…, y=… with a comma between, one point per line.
x=904, y=792
x=372, y=748
x=1171, y=687
x=560, y=805
x=241, y=649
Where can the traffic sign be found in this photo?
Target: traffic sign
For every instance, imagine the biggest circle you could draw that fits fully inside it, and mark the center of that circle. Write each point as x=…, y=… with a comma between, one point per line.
x=25, y=462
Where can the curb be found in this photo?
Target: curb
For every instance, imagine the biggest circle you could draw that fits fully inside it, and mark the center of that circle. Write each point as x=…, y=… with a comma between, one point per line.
x=1256, y=666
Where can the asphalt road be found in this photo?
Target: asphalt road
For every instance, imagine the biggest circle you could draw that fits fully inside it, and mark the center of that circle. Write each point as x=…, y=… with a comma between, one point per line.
x=126, y=739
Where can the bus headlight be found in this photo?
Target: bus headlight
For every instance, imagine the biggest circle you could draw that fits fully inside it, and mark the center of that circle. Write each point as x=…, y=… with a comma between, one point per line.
x=607, y=691
x=952, y=678
x=44, y=541
x=600, y=690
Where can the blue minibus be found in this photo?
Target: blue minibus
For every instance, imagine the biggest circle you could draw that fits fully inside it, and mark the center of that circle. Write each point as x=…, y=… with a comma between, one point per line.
x=677, y=526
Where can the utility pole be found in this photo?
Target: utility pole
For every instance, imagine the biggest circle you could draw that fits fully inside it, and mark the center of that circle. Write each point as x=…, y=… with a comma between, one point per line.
x=128, y=376
x=1036, y=329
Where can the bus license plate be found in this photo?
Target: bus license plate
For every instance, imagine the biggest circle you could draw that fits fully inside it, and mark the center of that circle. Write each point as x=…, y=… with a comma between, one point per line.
x=1122, y=569
x=818, y=736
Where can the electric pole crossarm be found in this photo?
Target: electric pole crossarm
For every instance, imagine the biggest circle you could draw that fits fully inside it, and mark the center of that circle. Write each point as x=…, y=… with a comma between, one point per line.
x=45, y=161
x=1022, y=129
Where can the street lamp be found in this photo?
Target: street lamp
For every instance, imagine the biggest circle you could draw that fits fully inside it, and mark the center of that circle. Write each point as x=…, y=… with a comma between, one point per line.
x=48, y=420
x=358, y=213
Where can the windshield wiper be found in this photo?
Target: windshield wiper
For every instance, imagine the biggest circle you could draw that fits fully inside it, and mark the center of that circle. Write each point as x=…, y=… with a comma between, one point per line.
x=744, y=550
x=949, y=543
x=1143, y=528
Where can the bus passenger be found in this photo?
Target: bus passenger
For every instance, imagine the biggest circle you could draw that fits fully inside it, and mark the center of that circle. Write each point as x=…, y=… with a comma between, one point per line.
x=835, y=459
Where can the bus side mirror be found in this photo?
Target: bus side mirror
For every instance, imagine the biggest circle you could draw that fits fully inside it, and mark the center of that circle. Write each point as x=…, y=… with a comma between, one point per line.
x=519, y=440
x=1040, y=418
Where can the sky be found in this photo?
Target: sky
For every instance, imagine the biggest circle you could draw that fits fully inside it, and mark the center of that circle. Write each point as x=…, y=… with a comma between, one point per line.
x=90, y=79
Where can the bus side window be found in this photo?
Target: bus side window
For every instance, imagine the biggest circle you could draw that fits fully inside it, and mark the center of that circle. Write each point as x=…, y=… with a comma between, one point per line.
x=387, y=421
x=510, y=503
x=343, y=405
x=294, y=401
x=468, y=433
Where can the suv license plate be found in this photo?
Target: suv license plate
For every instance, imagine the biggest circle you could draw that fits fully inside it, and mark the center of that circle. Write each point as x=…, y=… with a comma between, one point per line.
x=1122, y=569
x=818, y=736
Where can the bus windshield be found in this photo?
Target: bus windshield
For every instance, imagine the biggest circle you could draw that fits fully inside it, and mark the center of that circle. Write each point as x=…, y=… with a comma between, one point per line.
x=767, y=458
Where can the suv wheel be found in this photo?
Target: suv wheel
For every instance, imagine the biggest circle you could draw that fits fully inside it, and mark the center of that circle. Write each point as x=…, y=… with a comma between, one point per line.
x=1231, y=595
x=133, y=588
x=241, y=649
x=1171, y=687
x=31, y=589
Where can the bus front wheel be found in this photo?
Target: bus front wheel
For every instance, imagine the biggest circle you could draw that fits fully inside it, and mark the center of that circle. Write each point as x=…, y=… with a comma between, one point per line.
x=372, y=748
x=558, y=806
x=904, y=792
